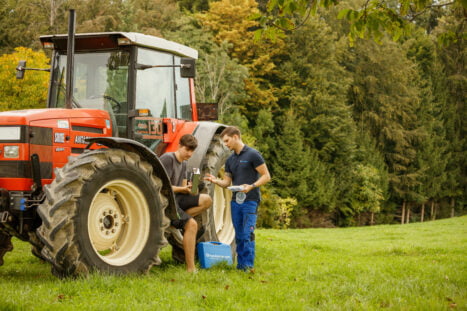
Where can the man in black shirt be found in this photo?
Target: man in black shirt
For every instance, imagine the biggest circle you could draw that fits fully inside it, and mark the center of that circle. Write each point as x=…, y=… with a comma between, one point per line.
x=188, y=205
x=245, y=168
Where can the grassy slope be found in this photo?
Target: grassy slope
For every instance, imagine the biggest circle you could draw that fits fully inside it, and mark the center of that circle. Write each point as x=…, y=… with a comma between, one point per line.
x=410, y=267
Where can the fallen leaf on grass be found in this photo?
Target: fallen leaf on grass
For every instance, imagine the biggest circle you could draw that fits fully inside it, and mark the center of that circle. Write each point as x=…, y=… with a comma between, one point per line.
x=61, y=297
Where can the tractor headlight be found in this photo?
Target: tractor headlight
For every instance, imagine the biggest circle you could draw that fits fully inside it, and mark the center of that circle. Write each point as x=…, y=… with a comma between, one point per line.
x=11, y=152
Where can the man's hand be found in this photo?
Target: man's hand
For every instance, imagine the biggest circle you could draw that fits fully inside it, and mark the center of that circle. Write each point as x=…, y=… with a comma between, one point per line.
x=210, y=177
x=247, y=188
x=224, y=182
x=182, y=189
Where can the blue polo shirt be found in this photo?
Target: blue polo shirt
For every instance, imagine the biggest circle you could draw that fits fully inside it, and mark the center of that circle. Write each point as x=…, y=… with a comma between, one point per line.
x=242, y=168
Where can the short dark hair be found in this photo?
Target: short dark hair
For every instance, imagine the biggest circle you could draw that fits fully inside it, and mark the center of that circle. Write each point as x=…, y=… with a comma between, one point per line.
x=231, y=131
x=189, y=141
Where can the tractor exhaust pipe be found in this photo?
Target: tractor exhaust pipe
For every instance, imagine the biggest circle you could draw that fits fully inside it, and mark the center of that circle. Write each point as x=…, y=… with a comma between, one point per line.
x=70, y=59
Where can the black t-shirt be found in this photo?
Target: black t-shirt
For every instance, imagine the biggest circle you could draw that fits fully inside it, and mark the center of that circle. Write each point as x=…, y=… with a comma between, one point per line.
x=176, y=170
x=242, y=168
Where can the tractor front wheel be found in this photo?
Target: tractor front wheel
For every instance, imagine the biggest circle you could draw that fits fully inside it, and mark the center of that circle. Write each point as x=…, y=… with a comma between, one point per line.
x=104, y=212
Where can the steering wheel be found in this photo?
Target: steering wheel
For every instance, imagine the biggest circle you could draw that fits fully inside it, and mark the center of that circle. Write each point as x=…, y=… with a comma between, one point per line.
x=116, y=105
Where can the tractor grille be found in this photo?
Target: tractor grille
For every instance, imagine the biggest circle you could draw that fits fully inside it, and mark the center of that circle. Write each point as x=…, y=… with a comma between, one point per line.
x=22, y=169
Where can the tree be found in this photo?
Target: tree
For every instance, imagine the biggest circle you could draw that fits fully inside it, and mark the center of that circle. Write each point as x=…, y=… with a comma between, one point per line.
x=30, y=92
x=452, y=53
x=432, y=155
x=298, y=172
x=370, y=170
x=220, y=79
x=385, y=98
x=257, y=57
x=369, y=19
x=314, y=86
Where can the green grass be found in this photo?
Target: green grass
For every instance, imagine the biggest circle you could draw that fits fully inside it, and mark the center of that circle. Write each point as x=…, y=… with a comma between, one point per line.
x=410, y=267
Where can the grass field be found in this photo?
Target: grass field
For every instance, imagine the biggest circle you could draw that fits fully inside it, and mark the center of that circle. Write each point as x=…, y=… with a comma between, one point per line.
x=398, y=267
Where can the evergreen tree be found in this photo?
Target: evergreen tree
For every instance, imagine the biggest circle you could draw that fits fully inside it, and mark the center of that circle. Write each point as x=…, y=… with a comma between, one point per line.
x=432, y=150
x=385, y=97
x=452, y=53
x=315, y=87
x=297, y=171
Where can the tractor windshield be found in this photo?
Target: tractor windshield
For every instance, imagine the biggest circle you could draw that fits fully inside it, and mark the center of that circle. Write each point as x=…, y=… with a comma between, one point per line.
x=100, y=82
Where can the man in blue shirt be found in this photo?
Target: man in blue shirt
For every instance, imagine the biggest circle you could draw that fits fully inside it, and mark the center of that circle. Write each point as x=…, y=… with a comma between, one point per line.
x=245, y=168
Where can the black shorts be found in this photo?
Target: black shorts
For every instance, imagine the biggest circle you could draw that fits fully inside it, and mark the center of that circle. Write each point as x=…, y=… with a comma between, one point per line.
x=187, y=201
x=184, y=202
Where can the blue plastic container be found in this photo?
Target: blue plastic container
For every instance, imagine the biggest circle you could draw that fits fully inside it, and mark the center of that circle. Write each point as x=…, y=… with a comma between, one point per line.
x=211, y=253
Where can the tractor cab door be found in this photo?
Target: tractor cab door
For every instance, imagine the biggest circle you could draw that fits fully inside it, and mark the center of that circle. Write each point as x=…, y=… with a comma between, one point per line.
x=162, y=99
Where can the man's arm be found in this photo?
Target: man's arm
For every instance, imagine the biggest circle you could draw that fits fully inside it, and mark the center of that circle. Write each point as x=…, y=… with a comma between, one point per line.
x=224, y=182
x=181, y=189
x=264, y=178
x=184, y=188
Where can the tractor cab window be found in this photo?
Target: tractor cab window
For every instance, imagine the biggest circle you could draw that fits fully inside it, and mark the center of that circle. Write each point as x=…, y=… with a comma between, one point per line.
x=100, y=82
x=155, y=88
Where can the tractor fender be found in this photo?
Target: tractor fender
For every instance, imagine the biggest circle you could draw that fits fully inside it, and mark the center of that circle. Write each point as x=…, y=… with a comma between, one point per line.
x=149, y=156
x=204, y=133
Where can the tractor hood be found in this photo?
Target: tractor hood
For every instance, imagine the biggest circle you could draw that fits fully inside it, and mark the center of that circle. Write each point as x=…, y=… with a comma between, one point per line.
x=23, y=117
x=91, y=119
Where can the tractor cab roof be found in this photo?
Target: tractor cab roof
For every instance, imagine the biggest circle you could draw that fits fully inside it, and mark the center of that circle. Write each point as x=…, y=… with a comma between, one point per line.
x=113, y=40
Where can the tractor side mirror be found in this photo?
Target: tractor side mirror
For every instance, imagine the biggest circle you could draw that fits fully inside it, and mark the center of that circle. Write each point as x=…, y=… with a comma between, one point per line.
x=187, y=68
x=20, y=69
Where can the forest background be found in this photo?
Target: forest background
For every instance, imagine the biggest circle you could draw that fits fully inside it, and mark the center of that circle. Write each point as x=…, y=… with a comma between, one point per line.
x=354, y=130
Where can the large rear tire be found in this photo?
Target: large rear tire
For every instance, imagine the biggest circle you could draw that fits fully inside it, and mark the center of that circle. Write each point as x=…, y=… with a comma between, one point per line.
x=104, y=212
x=217, y=220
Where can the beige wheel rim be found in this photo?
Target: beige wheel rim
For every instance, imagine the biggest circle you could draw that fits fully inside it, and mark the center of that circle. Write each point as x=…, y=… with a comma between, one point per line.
x=119, y=222
x=222, y=215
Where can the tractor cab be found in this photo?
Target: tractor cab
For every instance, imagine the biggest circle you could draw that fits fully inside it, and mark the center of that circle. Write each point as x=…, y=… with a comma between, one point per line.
x=145, y=83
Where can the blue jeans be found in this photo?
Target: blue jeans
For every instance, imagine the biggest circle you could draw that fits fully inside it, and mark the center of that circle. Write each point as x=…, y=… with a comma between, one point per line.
x=244, y=221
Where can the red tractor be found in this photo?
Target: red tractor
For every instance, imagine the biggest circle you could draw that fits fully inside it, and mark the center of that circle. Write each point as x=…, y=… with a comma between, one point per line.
x=81, y=180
